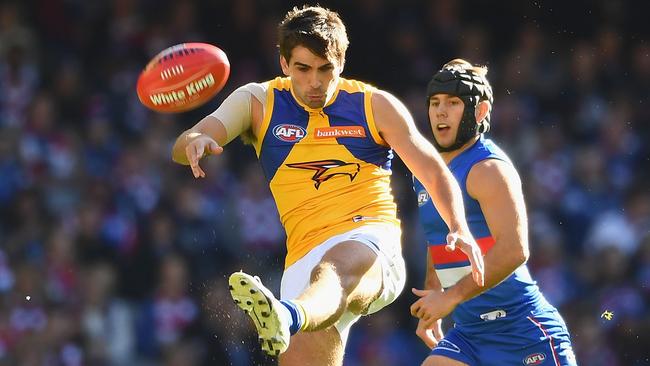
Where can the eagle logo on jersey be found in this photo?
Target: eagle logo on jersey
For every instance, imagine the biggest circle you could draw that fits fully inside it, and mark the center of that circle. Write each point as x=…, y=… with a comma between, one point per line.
x=326, y=169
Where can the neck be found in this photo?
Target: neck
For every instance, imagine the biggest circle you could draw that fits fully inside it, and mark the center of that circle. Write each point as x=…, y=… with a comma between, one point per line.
x=449, y=156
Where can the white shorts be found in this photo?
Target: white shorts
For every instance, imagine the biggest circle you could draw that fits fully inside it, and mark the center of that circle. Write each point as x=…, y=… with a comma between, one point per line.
x=383, y=239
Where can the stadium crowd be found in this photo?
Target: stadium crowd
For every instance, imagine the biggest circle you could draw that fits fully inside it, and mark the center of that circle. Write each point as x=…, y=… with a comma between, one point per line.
x=110, y=254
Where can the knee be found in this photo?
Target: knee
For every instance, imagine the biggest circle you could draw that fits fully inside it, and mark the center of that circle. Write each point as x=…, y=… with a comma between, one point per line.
x=327, y=275
x=336, y=275
x=352, y=263
x=354, y=287
x=327, y=272
x=357, y=290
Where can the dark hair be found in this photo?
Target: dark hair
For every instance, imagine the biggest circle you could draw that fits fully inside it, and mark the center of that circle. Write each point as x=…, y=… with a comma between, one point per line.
x=318, y=29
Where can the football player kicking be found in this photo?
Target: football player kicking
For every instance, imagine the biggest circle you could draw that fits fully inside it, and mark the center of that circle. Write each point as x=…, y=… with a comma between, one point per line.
x=325, y=145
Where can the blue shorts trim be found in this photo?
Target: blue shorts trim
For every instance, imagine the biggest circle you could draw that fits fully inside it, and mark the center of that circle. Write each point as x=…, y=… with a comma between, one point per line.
x=453, y=346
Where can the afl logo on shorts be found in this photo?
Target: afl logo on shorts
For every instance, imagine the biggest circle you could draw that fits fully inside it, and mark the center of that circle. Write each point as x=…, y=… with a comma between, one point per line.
x=534, y=359
x=289, y=133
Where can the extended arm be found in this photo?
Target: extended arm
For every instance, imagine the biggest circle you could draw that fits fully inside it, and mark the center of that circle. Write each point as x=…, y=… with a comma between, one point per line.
x=209, y=127
x=397, y=127
x=239, y=113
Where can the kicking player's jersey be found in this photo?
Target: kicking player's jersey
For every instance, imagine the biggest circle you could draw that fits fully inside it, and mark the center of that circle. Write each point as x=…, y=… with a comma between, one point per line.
x=516, y=296
x=328, y=168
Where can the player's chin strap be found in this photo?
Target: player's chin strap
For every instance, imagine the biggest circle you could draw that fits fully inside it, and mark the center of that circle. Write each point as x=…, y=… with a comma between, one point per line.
x=471, y=88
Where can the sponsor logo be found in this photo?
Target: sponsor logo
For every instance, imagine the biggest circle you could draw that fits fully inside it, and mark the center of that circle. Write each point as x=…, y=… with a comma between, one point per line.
x=203, y=83
x=493, y=315
x=179, y=96
x=448, y=346
x=326, y=169
x=289, y=133
x=339, y=131
x=423, y=197
x=534, y=359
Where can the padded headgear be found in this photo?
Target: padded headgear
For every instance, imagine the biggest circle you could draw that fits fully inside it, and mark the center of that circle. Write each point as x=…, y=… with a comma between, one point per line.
x=461, y=81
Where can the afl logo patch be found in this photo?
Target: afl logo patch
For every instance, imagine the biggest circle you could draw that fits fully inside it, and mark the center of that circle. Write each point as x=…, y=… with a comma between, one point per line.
x=289, y=133
x=534, y=359
x=423, y=198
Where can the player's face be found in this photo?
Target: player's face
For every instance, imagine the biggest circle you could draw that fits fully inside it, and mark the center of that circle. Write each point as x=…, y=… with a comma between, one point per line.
x=445, y=113
x=313, y=78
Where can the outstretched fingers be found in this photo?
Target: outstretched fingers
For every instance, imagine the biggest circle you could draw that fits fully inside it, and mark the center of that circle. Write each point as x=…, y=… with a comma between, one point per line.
x=473, y=252
x=194, y=153
x=478, y=269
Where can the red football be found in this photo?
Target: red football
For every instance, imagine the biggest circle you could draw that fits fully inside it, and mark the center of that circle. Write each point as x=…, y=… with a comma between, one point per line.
x=183, y=77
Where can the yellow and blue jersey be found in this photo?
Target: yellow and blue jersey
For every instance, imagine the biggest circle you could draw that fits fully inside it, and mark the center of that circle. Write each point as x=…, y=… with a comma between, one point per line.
x=328, y=168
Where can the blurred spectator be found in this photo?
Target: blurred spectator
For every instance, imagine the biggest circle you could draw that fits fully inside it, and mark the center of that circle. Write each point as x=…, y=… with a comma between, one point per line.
x=171, y=314
x=259, y=223
x=107, y=321
x=228, y=329
x=382, y=343
x=594, y=349
x=61, y=268
x=551, y=268
x=622, y=228
x=19, y=75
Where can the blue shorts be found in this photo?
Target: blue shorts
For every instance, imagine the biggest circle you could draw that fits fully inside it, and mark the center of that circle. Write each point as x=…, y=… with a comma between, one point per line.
x=542, y=339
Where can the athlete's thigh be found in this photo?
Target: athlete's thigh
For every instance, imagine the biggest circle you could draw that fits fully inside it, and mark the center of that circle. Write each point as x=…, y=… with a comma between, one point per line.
x=436, y=360
x=321, y=348
x=359, y=270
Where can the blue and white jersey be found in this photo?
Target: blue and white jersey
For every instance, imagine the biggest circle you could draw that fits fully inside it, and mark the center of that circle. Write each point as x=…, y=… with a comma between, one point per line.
x=516, y=296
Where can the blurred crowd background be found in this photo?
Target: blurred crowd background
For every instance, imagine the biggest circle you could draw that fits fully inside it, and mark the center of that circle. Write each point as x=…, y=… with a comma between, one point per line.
x=110, y=254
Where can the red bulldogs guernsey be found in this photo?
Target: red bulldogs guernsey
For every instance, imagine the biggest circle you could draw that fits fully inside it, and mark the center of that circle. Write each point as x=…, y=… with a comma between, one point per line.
x=517, y=294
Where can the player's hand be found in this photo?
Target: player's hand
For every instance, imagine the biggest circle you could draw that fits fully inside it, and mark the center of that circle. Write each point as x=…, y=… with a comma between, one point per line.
x=200, y=146
x=430, y=334
x=432, y=306
x=468, y=246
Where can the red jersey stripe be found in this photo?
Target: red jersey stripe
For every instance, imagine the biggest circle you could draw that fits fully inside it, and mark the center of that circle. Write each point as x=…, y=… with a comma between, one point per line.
x=439, y=255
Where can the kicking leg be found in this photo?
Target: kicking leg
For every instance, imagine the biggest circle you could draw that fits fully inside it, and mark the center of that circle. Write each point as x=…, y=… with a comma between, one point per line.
x=348, y=277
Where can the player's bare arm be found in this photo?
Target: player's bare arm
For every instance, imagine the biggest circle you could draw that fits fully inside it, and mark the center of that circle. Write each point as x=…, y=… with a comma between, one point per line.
x=241, y=114
x=210, y=131
x=397, y=128
x=502, y=202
